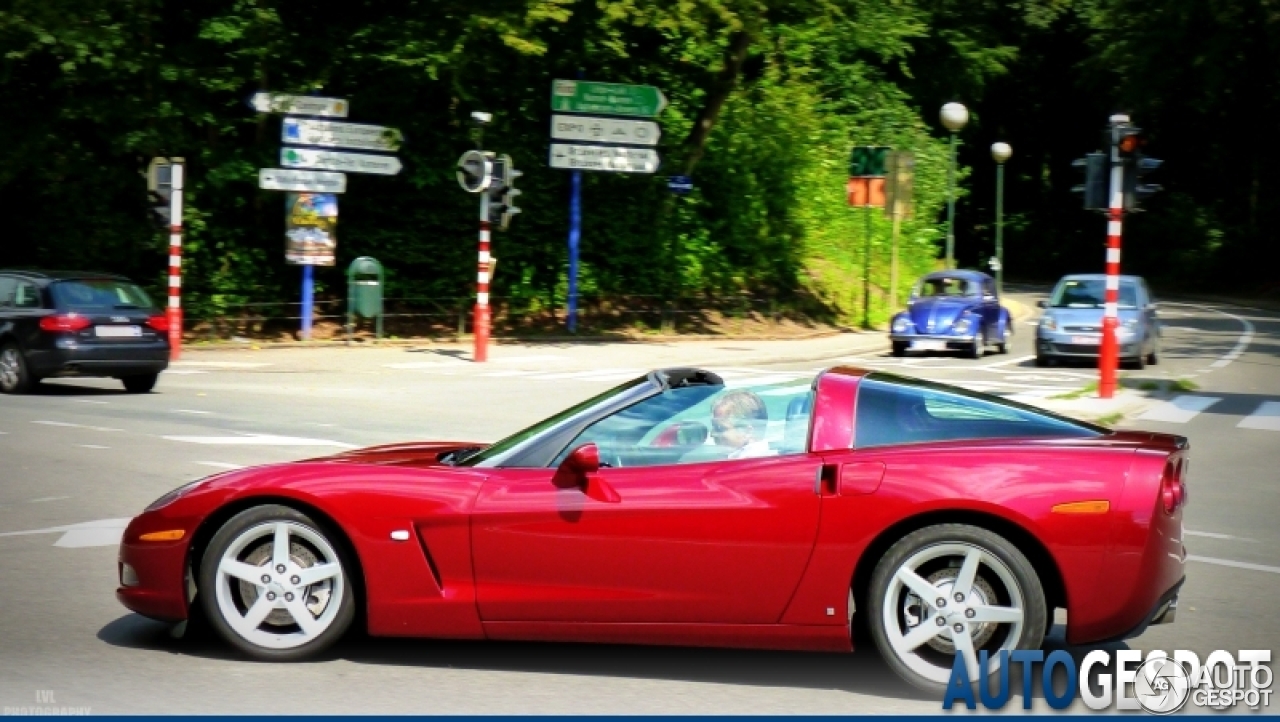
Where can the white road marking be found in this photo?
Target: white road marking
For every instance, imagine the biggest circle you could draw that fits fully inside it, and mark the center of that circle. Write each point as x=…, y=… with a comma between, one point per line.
x=55, y=423
x=1233, y=563
x=1245, y=338
x=88, y=401
x=101, y=533
x=1265, y=417
x=185, y=372
x=221, y=364
x=47, y=498
x=1180, y=410
x=414, y=365
x=93, y=446
x=1007, y=362
x=220, y=465
x=257, y=440
x=75, y=426
x=503, y=374
x=191, y=411
x=1214, y=535
x=589, y=374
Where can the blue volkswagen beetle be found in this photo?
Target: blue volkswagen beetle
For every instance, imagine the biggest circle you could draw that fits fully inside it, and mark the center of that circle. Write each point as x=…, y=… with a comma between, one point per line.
x=952, y=310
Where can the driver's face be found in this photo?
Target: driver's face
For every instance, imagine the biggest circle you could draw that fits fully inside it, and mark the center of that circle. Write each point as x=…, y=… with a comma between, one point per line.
x=731, y=431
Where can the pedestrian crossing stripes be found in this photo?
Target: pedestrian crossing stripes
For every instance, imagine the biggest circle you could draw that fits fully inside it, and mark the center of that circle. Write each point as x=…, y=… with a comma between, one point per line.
x=1182, y=409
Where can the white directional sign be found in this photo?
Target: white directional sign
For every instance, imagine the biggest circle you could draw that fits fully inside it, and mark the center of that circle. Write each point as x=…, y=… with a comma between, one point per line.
x=604, y=158
x=304, y=181
x=605, y=130
x=301, y=104
x=335, y=160
x=328, y=134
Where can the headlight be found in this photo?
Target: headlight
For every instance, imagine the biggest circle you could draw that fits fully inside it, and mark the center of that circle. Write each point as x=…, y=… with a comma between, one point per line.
x=1049, y=323
x=1131, y=323
x=901, y=325
x=174, y=495
x=963, y=325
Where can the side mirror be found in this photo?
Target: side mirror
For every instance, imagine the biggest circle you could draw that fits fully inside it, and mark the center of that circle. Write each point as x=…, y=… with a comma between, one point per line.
x=1151, y=306
x=579, y=470
x=1042, y=303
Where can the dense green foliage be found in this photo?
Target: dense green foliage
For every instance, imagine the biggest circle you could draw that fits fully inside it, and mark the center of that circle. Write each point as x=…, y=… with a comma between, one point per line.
x=767, y=96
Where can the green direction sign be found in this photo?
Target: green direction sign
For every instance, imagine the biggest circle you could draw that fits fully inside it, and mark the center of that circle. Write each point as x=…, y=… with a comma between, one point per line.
x=582, y=96
x=868, y=160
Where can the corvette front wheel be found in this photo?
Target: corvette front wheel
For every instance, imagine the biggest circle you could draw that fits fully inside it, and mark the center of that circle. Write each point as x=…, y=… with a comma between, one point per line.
x=953, y=588
x=275, y=585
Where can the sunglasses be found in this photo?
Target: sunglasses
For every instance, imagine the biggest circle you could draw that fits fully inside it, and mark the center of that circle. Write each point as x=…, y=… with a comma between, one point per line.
x=718, y=426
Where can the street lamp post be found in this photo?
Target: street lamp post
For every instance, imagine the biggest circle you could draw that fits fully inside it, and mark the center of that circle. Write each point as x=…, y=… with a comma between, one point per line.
x=954, y=117
x=1000, y=153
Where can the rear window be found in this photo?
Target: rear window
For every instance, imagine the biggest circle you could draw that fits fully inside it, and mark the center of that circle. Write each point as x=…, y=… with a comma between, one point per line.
x=899, y=410
x=99, y=294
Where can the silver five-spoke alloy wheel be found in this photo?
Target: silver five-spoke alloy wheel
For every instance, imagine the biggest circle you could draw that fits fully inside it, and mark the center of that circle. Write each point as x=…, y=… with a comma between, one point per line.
x=275, y=585
x=954, y=588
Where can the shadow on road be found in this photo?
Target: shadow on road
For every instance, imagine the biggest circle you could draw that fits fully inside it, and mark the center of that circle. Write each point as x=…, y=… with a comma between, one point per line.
x=861, y=673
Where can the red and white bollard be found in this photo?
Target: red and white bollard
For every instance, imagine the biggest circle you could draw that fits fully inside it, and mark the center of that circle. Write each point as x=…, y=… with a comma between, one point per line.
x=480, y=320
x=174, y=312
x=1109, y=354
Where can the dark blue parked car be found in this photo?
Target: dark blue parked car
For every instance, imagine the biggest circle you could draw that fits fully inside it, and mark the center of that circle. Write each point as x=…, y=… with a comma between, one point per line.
x=952, y=310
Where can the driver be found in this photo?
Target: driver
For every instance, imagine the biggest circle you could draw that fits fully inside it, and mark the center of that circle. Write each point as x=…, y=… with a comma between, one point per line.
x=738, y=422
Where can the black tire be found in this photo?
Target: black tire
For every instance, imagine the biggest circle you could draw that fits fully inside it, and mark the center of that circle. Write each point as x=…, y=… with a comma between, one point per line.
x=1002, y=348
x=899, y=348
x=15, y=375
x=1042, y=361
x=140, y=384
x=974, y=350
x=218, y=589
x=999, y=563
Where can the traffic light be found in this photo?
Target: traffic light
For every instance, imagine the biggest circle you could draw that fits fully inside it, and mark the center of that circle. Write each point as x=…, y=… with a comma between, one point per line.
x=475, y=171
x=1094, y=166
x=502, y=191
x=160, y=189
x=1135, y=190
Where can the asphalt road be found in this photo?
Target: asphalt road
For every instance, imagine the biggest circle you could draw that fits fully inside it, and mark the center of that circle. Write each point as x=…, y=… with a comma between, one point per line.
x=81, y=457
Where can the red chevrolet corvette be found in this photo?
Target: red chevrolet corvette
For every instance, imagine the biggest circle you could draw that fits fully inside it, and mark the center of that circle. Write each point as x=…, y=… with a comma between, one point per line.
x=675, y=510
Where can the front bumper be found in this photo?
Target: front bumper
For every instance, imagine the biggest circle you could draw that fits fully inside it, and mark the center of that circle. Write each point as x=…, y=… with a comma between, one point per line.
x=153, y=575
x=960, y=340
x=1062, y=346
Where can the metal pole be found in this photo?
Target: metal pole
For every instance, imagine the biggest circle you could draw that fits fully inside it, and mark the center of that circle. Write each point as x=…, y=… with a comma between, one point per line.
x=480, y=320
x=893, y=257
x=308, y=297
x=175, y=261
x=1000, y=229
x=1108, y=357
x=951, y=205
x=575, y=235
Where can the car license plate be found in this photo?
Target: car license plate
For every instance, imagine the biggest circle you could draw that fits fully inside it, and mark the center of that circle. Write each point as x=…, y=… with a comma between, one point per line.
x=1086, y=340
x=929, y=345
x=117, y=331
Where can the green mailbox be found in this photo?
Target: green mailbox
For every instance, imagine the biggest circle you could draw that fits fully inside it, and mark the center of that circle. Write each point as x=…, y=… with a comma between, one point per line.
x=364, y=293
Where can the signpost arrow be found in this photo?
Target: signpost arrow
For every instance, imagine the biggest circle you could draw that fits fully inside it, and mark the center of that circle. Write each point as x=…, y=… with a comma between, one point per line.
x=328, y=134
x=605, y=130
x=304, y=181
x=604, y=158
x=335, y=160
x=584, y=96
x=265, y=102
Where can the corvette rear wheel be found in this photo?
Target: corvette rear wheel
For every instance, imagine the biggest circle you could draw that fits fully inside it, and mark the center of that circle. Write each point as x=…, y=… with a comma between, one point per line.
x=949, y=588
x=275, y=586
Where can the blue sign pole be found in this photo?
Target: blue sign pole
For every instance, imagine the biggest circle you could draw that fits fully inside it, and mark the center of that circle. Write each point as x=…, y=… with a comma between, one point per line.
x=575, y=234
x=308, y=295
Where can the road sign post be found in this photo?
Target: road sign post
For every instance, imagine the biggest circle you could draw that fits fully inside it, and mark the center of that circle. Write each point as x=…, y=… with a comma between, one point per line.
x=276, y=179
x=585, y=96
x=267, y=102
x=330, y=160
x=1108, y=356
x=331, y=134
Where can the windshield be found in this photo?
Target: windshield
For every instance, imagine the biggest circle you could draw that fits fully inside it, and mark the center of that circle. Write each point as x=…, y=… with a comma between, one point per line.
x=495, y=452
x=99, y=295
x=946, y=287
x=1091, y=293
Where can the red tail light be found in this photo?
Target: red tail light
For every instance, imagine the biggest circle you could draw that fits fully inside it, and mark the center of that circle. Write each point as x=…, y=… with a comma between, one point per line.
x=65, y=322
x=159, y=323
x=1173, y=486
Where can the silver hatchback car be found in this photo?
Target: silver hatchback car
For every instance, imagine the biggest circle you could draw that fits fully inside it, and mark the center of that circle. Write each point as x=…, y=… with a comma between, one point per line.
x=1071, y=327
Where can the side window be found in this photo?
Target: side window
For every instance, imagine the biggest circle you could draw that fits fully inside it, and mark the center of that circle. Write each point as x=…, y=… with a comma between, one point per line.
x=8, y=286
x=685, y=426
x=26, y=296
x=910, y=412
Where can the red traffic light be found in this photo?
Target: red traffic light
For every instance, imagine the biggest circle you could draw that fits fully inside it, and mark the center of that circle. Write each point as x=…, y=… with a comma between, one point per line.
x=1130, y=143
